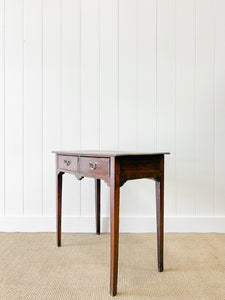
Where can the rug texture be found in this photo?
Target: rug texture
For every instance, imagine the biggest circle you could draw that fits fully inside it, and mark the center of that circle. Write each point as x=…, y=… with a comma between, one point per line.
x=33, y=267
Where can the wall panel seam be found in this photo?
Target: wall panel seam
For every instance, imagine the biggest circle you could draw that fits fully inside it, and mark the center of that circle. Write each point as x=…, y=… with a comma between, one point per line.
x=214, y=105
x=42, y=107
x=156, y=75
x=80, y=90
x=99, y=76
x=137, y=92
x=23, y=108
x=196, y=107
x=118, y=66
x=61, y=76
x=175, y=100
x=4, y=22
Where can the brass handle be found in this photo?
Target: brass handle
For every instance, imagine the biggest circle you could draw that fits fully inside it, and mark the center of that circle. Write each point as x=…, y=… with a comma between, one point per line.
x=67, y=162
x=93, y=165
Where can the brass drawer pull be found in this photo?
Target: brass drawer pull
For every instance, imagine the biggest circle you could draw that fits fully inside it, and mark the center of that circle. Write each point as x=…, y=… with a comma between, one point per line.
x=93, y=165
x=67, y=162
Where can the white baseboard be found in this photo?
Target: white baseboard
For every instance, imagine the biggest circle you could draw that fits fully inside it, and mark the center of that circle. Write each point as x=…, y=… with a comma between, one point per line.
x=127, y=224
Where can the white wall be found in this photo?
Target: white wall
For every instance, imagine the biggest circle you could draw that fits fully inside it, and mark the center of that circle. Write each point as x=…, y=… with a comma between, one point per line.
x=140, y=75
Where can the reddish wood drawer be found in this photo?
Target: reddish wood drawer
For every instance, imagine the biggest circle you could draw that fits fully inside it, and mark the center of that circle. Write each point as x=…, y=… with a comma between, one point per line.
x=68, y=163
x=94, y=166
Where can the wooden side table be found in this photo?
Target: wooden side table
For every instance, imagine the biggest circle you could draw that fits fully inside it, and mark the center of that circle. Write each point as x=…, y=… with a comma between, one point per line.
x=115, y=168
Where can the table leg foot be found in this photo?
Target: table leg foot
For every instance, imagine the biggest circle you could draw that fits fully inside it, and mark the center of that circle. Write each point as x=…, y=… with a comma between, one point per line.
x=113, y=293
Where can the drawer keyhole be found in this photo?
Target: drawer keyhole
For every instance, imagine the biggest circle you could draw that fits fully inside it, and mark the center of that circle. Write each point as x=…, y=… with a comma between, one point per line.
x=93, y=165
x=67, y=162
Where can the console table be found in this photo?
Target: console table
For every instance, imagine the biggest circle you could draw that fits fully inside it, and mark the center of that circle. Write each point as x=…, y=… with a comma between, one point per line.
x=115, y=168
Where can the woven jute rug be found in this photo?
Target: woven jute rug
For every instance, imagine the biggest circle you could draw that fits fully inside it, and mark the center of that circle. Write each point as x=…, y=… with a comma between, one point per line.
x=32, y=267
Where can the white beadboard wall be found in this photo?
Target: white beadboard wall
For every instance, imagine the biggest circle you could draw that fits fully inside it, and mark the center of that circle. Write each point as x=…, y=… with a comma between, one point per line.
x=139, y=75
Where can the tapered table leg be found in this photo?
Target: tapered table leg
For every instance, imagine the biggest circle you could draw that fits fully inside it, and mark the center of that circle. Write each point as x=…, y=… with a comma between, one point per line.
x=114, y=224
x=97, y=204
x=160, y=221
x=58, y=206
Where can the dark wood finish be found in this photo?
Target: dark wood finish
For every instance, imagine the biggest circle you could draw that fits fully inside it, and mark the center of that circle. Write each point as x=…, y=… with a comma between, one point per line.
x=97, y=204
x=115, y=168
x=108, y=154
x=160, y=215
x=68, y=163
x=59, y=206
x=114, y=222
x=136, y=167
x=94, y=167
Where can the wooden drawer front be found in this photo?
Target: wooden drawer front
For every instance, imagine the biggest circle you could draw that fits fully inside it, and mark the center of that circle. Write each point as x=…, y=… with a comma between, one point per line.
x=67, y=162
x=94, y=166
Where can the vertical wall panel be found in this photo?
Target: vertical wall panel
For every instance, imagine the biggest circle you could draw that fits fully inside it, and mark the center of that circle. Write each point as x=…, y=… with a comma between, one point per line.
x=2, y=107
x=185, y=107
x=108, y=85
x=166, y=119
x=220, y=106
x=130, y=75
x=89, y=92
x=128, y=94
x=71, y=98
x=205, y=107
x=51, y=99
x=13, y=107
x=32, y=107
x=146, y=97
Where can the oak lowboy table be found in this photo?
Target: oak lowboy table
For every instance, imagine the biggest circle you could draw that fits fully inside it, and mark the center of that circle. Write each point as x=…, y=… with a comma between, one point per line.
x=115, y=168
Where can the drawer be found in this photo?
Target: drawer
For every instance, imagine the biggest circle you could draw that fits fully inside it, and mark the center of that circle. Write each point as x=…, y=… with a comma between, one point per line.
x=94, y=166
x=68, y=163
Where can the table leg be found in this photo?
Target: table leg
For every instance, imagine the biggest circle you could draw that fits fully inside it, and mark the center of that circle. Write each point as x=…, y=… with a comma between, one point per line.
x=97, y=204
x=114, y=225
x=58, y=206
x=160, y=221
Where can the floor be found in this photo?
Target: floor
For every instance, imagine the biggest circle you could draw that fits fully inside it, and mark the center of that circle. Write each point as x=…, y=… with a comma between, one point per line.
x=32, y=267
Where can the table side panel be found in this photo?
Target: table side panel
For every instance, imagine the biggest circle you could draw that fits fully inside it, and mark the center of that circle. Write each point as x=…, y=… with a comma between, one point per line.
x=135, y=167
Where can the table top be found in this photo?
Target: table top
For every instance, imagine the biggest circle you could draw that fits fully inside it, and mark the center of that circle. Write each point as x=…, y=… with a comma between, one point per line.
x=98, y=153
